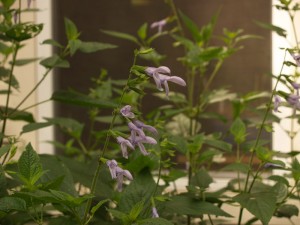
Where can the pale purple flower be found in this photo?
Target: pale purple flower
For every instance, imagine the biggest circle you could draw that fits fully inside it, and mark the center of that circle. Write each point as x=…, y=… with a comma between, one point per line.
x=16, y=16
x=161, y=77
x=296, y=58
x=135, y=131
x=154, y=213
x=296, y=86
x=277, y=101
x=294, y=100
x=273, y=166
x=124, y=143
x=120, y=176
x=159, y=24
x=140, y=141
x=112, y=165
x=149, y=128
x=126, y=111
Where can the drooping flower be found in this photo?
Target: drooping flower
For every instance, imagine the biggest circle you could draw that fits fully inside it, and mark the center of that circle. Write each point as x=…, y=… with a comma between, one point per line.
x=126, y=111
x=159, y=24
x=294, y=100
x=124, y=143
x=154, y=213
x=296, y=58
x=140, y=141
x=161, y=77
x=296, y=86
x=135, y=131
x=112, y=166
x=118, y=173
x=277, y=101
x=149, y=128
x=120, y=176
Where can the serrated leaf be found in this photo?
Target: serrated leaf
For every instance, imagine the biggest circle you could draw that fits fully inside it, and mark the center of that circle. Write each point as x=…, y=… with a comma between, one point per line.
x=121, y=36
x=30, y=168
x=185, y=205
x=238, y=130
x=81, y=100
x=8, y=204
x=262, y=205
x=201, y=179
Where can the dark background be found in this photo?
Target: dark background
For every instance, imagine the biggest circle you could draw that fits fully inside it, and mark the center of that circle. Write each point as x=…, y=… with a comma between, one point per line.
x=244, y=71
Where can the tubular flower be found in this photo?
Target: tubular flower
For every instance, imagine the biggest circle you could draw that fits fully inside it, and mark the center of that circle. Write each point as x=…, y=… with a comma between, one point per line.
x=124, y=143
x=126, y=111
x=159, y=24
x=149, y=128
x=118, y=173
x=296, y=58
x=296, y=86
x=154, y=213
x=112, y=166
x=161, y=77
x=135, y=131
x=277, y=102
x=120, y=176
x=140, y=141
x=294, y=100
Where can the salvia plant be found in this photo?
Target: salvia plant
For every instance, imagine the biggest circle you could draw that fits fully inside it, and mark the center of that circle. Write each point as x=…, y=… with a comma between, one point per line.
x=126, y=172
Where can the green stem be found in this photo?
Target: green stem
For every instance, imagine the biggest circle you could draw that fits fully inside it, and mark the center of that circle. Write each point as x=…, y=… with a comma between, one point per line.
x=5, y=115
x=246, y=190
x=108, y=136
x=31, y=92
x=294, y=29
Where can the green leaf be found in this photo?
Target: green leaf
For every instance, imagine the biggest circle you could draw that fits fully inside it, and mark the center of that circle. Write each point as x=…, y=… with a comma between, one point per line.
x=136, y=210
x=241, y=167
x=74, y=46
x=238, y=130
x=18, y=115
x=30, y=168
x=222, y=145
x=23, y=62
x=98, y=205
x=121, y=35
x=3, y=188
x=287, y=210
x=52, y=42
x=142, y=31
x=192, y=26
x=196, y=144
x=4, y=76
x=71, y=29
x=7, y=3
x=4, y=149
x=89, y=47
x=8, y=204
x=81, y=100
x=34, y=126
x=68, y=125
x=296, y=169
x=262, y=205
x=278, y=30
x=55, y=61
x=184, y=205
x=201, y=179
x=23, y=31
x=56, y=170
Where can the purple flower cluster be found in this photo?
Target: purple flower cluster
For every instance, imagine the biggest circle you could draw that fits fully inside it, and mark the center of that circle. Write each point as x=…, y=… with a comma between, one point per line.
x=137, y=136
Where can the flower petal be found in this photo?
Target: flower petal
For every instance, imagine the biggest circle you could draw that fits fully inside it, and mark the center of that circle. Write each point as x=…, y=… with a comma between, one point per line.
x=176, y=80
